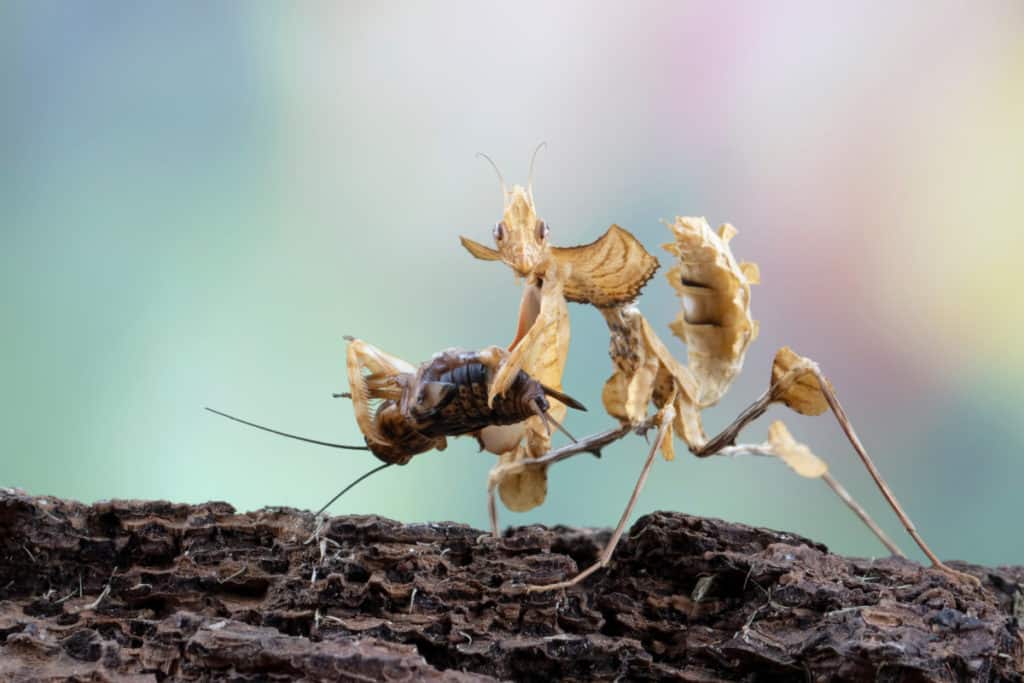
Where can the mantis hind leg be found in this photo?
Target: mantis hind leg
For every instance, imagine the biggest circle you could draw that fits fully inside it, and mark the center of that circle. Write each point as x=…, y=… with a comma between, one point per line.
x=775, y=394
x=664, y=432
x=851, y=435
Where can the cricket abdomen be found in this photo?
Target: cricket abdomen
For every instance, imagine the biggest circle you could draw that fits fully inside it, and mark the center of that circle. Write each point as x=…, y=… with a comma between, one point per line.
x=462, y=407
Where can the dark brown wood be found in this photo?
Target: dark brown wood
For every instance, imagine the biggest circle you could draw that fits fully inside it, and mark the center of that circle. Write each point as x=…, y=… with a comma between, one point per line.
x=141, y=591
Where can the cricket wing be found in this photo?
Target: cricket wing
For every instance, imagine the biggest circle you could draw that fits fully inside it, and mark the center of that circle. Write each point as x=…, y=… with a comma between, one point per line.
x=610, y=271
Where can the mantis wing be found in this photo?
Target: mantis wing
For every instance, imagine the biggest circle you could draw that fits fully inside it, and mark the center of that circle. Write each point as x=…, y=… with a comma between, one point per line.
x=607, y=272
x=715, y=323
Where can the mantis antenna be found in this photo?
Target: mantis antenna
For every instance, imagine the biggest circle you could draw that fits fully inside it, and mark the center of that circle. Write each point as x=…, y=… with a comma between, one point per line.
x=529, y=182
x=504, y=192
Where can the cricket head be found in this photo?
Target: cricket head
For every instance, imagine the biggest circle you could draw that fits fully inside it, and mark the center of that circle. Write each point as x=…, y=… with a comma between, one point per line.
x=520, y=236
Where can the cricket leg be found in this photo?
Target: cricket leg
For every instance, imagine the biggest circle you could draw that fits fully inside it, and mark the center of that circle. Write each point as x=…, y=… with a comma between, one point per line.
x=664, y=431
x=847, y=426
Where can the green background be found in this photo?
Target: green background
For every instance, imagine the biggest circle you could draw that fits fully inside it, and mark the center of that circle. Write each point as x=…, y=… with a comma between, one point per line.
x=199, y=199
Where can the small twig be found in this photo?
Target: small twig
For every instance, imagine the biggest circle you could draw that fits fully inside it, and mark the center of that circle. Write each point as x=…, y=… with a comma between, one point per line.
x=106, y=591
x=412, y=600
x=320, y=521
x=334, y=620
x=235, y=575
x=742, y=633
x=844, y=610
x=29, y=552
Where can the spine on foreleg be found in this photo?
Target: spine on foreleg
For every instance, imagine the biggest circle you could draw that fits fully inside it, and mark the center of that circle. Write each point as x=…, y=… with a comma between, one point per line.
x=715, y=322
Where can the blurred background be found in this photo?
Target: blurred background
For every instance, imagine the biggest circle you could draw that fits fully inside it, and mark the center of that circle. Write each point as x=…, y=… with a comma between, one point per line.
x=197, y=200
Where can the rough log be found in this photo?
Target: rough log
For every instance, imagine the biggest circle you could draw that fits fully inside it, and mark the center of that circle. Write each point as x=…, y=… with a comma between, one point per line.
x=153, y=591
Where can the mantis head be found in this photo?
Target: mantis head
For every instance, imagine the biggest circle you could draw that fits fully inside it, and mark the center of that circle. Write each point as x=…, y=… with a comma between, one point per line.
x=520, y=236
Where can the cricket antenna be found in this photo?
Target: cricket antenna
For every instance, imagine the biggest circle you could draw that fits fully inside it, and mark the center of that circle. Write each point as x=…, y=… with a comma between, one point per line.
x=290, y=436
x=346, y=489
x=504, y=192
x=548, y=421
x=529, y=182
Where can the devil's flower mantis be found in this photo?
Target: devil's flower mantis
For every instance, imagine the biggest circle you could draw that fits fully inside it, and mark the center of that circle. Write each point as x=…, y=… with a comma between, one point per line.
x=715, y=324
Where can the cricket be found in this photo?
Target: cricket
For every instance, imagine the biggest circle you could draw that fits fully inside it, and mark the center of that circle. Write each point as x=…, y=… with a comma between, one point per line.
x=511, y=399
x=403, y=410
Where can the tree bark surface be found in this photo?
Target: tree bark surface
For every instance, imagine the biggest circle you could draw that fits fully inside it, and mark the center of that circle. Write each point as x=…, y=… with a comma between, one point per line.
x=155, y=591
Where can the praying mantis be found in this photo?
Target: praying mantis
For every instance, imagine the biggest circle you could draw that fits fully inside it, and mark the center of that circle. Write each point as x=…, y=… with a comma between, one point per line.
x=714, y=323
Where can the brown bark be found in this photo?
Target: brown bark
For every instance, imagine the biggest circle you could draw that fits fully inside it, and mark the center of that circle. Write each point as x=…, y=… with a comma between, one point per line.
x=159, y=591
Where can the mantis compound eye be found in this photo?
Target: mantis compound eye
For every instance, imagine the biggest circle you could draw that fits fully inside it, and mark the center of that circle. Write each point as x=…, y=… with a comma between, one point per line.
x=499, y=232
x=542, y=230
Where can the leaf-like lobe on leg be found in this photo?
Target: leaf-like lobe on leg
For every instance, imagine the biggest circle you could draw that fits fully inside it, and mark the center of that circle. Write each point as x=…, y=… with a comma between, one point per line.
x=795, y=384
x=795, y=454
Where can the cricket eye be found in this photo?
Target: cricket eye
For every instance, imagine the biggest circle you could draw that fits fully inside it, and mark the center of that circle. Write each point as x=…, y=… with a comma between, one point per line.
x=499, y=232
x=542, y=230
